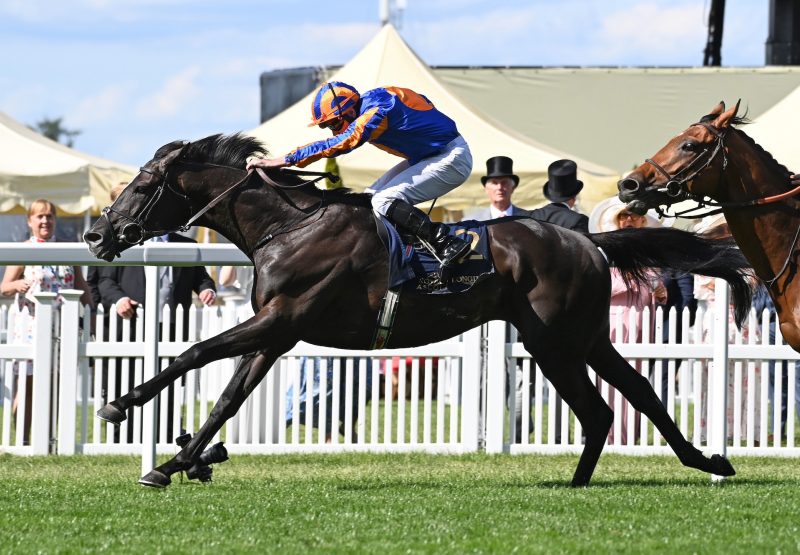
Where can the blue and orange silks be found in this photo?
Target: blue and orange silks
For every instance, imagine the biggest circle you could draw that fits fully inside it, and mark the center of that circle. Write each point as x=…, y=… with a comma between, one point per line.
x=397, y=120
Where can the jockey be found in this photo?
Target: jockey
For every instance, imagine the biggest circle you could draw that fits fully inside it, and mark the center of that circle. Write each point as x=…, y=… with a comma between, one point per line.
x=437, y=159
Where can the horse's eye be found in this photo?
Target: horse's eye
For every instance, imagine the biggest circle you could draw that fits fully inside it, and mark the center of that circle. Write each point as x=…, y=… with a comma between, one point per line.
x=689, y=146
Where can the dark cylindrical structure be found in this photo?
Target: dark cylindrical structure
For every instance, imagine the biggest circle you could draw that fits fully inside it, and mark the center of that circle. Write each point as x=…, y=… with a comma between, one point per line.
x=783, y=42
x=716, y=17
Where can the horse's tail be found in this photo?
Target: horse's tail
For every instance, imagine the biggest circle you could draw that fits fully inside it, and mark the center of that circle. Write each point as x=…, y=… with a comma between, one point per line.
x=634, y=251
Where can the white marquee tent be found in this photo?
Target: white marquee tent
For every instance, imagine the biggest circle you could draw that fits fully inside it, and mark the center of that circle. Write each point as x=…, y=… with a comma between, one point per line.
x=388, y=60
x=32, y=166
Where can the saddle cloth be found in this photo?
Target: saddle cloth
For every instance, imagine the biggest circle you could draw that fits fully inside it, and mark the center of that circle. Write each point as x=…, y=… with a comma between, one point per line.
x=416, y=269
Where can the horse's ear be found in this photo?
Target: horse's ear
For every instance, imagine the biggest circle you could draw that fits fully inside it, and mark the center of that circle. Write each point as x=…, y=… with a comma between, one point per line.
x=171, y=156
x=725, y=118
x=718, y=109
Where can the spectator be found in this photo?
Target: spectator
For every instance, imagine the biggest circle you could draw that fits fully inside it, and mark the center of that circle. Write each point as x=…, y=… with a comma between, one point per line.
x=611, y=215
x=680, y=295
x=499, y=184
x=25, y=281
x=715, y=227
x=311, y=366
x=561, y=189
x=762, y=301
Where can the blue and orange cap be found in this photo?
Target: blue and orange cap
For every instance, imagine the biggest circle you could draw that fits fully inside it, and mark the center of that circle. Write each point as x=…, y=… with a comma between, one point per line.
x=331, y=101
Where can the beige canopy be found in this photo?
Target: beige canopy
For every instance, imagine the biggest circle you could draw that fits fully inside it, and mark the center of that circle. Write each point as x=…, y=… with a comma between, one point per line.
x=33, y=166
x=388, y=60
x=620, y=116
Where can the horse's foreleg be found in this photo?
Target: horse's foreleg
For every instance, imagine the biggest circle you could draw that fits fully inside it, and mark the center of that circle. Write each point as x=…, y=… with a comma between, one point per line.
x=249, y=373
x=248, y=337
x=614, y=369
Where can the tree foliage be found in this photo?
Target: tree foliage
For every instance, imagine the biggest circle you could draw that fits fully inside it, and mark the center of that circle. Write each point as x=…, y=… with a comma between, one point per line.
x=54, y=129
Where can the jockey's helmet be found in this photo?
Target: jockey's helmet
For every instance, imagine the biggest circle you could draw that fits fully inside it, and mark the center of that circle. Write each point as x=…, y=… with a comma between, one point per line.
x=333, y=100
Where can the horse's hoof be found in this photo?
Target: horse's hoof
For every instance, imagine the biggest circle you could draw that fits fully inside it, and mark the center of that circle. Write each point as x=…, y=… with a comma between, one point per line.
x=722, y=466
x=110, y=413
x=155, y=479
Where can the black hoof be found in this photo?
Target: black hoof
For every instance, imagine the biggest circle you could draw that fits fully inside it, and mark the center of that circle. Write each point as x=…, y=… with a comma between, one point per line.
x=722, y=466
x=110, y=413
x=155, y=479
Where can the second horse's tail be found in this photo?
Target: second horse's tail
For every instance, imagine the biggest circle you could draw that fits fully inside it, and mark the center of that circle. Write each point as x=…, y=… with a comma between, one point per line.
x=634, y=251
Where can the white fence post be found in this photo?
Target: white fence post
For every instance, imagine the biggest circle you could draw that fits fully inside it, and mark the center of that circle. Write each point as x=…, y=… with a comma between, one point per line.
x=42, y=373
x=495, y=387
x=68, y=371
x=470, y=389
x=150, y=366
x=718, y=381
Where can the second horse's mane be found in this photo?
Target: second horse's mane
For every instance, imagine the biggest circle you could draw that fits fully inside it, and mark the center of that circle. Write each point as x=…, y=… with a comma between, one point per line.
x=768, y=158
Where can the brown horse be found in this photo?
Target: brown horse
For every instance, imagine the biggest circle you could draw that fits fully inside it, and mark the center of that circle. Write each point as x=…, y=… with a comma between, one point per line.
x=714, y=160
x=322, y=272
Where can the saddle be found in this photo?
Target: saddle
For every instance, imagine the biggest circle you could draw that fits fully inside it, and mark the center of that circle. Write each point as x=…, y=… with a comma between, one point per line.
x=413, y=268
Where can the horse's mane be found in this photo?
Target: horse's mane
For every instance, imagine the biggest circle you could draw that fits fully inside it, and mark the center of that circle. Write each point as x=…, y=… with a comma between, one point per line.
x=234, y=150
x=768, y=158
x=226, y=150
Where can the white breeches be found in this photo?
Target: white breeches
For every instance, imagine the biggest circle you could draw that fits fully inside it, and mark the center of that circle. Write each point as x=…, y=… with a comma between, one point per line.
x=428, y=179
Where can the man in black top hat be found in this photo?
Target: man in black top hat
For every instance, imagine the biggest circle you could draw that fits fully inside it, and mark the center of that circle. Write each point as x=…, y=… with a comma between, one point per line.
x=561, y=189
x=499, y=183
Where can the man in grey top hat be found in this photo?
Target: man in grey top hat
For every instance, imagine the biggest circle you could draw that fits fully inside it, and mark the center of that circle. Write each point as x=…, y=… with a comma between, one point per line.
x=561, y=189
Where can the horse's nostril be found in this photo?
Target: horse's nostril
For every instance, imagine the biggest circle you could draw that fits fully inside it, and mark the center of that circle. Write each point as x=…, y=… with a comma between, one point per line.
x=92, y=237
x=628, y=185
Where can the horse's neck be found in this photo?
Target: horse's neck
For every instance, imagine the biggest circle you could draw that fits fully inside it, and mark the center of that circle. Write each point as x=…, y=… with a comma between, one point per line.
x=764, y=233
x=247, y=219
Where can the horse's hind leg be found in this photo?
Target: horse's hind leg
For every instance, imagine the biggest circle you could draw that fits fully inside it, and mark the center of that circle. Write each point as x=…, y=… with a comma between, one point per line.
x=248, y=374
x=614, y=369
x=567, y=373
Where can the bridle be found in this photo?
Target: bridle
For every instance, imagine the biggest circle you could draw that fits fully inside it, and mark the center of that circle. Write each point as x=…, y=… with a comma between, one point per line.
x=135, y=232
x=676, y=188
x=676, y=184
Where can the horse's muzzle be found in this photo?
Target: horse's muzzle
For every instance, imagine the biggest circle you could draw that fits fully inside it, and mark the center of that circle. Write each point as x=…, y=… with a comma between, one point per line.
x=99, y=245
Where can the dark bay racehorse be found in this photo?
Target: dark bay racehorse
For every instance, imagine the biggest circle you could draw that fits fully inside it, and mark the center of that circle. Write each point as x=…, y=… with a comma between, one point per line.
x=714, y=160
x=322, y=271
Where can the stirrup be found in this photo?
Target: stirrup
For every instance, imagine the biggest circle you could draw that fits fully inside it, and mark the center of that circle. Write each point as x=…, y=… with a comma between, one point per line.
x=457, y=252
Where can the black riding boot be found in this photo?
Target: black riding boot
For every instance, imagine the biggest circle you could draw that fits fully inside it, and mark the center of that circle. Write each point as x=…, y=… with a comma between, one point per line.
x=434, y=235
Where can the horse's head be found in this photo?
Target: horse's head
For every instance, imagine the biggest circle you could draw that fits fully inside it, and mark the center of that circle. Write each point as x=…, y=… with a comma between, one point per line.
x=689, y=166
x=152, y=204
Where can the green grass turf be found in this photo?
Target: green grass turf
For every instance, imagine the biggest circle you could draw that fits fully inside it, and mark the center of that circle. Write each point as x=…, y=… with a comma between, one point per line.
x=410, y=503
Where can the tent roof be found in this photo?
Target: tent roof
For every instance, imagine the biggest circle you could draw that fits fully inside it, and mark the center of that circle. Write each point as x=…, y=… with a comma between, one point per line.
x=388, y=60
x=33, y=166
x=620, y=116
